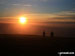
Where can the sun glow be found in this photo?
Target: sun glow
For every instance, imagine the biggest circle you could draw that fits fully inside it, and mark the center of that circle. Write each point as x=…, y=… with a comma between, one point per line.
x=23, y=20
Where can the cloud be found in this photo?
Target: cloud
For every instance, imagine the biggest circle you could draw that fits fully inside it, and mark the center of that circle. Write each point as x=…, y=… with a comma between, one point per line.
x=27, y=5
x=66, y=13
x=59, y=15
x=40, y=0
x=44, y=0
x=15, y=4
x=3, y=1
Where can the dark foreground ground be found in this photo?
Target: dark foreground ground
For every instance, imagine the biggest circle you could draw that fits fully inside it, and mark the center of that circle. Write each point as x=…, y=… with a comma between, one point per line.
x=23, y=45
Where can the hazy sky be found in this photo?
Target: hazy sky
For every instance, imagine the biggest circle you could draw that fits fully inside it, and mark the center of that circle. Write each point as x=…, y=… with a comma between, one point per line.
x=47, y=10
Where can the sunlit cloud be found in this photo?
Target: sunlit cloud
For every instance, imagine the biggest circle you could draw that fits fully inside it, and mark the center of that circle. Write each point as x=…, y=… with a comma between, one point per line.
x=60, y=16
x=65, y=16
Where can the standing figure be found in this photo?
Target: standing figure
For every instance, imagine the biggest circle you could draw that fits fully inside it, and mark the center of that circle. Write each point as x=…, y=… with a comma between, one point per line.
x=43, y=33
x=52, y=34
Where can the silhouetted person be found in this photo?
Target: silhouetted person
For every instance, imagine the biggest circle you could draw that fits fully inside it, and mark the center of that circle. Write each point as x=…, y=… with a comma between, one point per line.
x=43, y=33
x=52, y=34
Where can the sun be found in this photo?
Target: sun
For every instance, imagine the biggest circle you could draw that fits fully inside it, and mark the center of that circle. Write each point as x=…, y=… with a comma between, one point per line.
x=23, y=20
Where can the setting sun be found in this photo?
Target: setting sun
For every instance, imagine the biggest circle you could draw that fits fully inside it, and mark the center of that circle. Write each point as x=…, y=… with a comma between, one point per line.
x=23, y=20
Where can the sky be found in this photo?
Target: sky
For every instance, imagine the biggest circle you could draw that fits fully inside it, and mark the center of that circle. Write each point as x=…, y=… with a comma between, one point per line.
x=38, y=10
